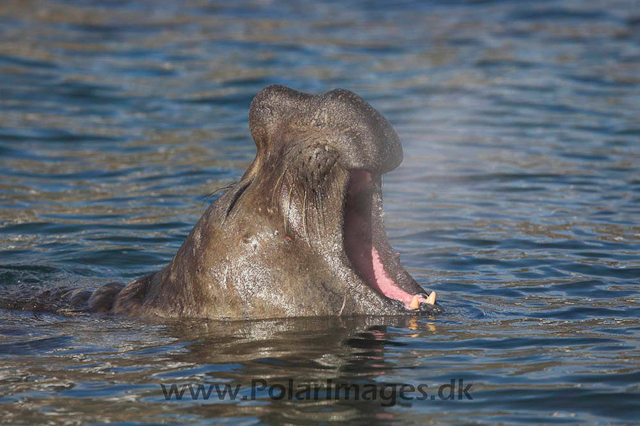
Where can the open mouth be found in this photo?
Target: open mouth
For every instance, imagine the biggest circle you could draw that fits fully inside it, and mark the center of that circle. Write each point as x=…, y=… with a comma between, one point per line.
x=367, y=246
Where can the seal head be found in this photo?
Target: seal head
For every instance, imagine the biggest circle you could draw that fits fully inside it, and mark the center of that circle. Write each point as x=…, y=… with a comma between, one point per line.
x=301, y=233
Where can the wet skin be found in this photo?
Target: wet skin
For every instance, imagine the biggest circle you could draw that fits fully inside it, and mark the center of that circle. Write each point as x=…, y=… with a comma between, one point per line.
x=301, y=234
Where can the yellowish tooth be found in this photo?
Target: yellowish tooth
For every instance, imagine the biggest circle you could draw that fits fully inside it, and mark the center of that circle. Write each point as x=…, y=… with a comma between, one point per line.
x=415, y=302
x=432, y=298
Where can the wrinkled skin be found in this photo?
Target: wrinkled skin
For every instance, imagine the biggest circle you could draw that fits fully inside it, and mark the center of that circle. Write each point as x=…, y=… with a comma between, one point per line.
x=301, y=233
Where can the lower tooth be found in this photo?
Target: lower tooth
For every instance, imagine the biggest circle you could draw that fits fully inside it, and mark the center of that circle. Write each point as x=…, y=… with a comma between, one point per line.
x=415, y=302
x=432, y=298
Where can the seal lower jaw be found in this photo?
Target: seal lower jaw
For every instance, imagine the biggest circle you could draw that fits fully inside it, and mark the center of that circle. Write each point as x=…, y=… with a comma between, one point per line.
x=368, y=249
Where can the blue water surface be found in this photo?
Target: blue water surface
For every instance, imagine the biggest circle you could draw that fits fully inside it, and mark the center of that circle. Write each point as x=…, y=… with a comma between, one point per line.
x=518, y=202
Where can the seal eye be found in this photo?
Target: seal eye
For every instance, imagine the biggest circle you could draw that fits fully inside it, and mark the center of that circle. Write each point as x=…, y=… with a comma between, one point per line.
x=239, y=190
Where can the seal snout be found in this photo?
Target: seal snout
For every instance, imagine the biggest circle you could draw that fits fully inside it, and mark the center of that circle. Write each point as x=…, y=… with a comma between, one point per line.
x=341, y=120
x=363, y=137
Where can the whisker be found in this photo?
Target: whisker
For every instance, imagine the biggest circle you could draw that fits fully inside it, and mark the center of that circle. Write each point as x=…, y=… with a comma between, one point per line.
x=286, y=218
x=304, y=215
x=219, y=190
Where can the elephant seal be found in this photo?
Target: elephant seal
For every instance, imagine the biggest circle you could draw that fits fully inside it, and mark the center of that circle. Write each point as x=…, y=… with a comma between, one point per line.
x=301, y=233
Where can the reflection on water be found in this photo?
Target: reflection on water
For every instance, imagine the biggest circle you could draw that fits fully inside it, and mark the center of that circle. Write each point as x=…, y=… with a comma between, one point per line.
x=518, y=201
x=99, y=368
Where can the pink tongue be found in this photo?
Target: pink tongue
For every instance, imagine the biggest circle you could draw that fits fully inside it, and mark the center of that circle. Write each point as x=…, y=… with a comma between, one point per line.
x=358, y=244
x=385, y=284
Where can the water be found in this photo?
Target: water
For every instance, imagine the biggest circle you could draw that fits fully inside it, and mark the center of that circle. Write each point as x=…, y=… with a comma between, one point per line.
x=518, y=201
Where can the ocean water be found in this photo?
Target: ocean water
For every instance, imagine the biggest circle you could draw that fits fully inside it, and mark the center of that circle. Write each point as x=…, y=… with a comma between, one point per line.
x=518, y=202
